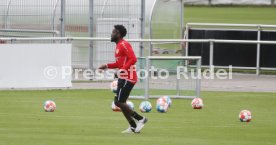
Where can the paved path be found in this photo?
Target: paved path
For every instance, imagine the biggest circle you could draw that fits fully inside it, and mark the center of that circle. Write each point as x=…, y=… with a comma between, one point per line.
x=239, y=83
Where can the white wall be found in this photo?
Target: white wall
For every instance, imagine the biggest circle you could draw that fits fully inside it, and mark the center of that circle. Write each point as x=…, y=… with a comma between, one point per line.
x=24, y=65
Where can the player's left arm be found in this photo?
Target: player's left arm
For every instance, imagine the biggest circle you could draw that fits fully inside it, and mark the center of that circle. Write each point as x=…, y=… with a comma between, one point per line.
x=131, y=58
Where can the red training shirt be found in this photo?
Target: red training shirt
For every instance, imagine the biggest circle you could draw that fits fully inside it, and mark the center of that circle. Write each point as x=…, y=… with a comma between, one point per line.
x=125, y=61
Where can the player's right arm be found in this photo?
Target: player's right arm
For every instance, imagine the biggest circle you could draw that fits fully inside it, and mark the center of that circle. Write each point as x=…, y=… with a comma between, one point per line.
x=113, y=65
x=110, y=65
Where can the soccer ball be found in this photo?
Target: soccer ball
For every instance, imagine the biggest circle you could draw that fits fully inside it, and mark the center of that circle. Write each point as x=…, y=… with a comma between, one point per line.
x=115, y=108
x=130, y=105
x=168, y=100
x=197, y=103
x=49, y=106
x=118, y=109
x=161, y=105
x=245, y=116
x=114, y=86
x=145, y=106
x=161, y=100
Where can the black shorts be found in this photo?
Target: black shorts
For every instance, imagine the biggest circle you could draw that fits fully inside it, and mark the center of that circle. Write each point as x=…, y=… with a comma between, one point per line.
x=123, y=90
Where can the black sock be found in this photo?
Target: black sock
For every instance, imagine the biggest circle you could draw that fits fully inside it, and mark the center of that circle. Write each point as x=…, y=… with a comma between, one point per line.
x=132, y=123
x=136, y=116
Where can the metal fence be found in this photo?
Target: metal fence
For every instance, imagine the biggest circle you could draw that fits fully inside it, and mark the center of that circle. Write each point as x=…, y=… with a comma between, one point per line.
x=21, y=18
x=210, y=41
x=71, y=18
x=225, y=2
x=258, y=27
x=107, y=13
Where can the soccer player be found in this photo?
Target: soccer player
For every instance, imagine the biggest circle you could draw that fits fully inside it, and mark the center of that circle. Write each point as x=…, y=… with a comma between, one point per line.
x=127, y=77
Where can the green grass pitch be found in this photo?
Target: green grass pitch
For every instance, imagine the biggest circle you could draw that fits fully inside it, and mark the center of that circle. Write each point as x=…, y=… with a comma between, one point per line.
x=230, y=14
x=84, y=117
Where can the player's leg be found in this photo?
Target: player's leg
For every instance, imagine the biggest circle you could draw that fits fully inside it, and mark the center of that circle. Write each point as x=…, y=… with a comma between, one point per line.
x=123, y=94
x=120, y=101
x=140, y=119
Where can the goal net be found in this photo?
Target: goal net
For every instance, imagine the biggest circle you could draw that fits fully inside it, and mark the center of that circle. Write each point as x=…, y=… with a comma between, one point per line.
x=174, y=76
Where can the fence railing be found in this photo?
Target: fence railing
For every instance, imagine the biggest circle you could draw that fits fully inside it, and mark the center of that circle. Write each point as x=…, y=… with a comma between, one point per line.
x=210, y=41
x=232, y=2
x=258, y=27
x=53, y=33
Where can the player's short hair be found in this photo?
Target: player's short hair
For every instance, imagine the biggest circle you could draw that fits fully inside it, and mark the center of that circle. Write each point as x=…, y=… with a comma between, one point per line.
x=121, y=29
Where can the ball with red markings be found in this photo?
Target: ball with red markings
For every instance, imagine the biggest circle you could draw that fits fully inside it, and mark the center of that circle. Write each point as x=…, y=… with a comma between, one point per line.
x=168, y=100
x=49, y=106
x=115, y=108
x=114, y=86
x=245, y=116
x=197, y=103
x=161, y=105
x=118, y=109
